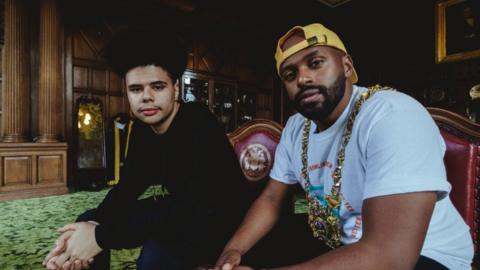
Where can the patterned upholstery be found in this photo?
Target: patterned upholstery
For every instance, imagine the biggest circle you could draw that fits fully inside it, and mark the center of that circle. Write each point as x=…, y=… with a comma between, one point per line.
x=462, y=161
x=255, y=143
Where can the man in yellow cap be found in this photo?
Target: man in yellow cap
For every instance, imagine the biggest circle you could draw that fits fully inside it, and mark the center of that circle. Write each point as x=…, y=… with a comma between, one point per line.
x=371, y=163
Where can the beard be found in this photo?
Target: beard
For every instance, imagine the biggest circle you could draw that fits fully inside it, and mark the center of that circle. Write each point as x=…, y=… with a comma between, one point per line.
x=320, y=110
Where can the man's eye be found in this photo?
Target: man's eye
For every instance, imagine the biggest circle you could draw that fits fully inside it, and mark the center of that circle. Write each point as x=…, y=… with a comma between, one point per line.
x=316, y=63
x=289, y=76
x=135, y=89
x=158, y=87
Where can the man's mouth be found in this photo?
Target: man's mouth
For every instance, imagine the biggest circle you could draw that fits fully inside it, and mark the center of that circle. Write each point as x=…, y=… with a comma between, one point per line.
x=310, y=96
x=149, y=111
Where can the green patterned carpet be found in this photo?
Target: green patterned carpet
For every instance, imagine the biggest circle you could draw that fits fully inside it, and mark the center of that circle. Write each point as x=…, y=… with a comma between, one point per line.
x=28, y=229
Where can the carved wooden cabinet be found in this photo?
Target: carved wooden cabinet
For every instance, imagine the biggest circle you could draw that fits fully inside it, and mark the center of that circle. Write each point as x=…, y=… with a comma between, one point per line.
x=219, y=94
x=232, y=102
x=246, y=107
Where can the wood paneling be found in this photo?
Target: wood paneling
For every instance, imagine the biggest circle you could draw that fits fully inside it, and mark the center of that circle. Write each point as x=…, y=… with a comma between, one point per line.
x=81, y=49
x=115, y=84
x=16, y=169
x=99, y=79
x=32, y=169
x=264, y=105
x=116, y=105
x=97, y=36
x=50, y=168
x=80, y=77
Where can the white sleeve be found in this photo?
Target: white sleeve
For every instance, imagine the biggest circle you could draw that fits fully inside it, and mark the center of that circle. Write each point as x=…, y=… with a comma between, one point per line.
x=282, y=170
x=405, y=154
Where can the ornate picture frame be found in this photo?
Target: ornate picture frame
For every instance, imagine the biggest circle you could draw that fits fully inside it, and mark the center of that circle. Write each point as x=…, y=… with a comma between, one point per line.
x=457, y=30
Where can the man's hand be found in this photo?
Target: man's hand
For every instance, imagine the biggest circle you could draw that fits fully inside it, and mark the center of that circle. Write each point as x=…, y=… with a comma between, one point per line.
x=81, y=246
x=60, y=247
x=260, y=219
x=228, y=260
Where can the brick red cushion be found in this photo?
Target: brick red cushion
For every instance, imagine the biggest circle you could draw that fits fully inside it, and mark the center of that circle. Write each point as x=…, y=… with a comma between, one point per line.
x=461, y=161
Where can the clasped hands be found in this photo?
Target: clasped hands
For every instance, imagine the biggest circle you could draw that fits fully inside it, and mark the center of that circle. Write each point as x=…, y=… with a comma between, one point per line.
x=74, y=248
x=229, y=260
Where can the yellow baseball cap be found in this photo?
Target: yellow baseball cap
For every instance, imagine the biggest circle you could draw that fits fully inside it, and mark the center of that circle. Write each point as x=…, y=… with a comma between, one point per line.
x=315, y=35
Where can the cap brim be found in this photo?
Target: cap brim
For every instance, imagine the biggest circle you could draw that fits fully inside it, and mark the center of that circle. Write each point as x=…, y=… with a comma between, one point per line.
x=354, y=77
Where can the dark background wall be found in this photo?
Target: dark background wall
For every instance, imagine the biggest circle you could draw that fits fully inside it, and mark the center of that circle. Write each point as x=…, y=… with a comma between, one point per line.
x=391, y=42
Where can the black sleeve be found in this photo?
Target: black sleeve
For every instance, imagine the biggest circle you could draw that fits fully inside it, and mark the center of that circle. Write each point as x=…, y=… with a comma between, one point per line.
x=119, y=198
x=220, y=199
x=227, y=187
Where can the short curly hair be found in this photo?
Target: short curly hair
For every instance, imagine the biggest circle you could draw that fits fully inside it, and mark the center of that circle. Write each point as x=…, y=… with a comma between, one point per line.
x=137, y=47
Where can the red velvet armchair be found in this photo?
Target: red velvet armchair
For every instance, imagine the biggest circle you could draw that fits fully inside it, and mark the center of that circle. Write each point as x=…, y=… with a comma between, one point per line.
x=462, y=161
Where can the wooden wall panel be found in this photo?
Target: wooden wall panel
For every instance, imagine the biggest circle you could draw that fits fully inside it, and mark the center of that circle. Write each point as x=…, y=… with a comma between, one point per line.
x=115, y=83
x=32, y=170
x=80, y=77
x=99, y=79
x=116, y=105
x=264, y=105
x=17, y=170
x=97, y=36
x=81, y=49
x=50, y=168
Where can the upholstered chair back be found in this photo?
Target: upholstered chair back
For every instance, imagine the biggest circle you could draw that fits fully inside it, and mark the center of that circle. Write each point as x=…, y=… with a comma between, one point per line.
x=255, y=143
x=462, y=161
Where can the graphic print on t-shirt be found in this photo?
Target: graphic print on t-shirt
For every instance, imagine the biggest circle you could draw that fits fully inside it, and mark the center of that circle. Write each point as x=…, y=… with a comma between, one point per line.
x=351, y=221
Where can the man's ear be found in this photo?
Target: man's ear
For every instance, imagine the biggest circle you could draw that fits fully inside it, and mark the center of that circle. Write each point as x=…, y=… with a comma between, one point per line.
x=348, y=65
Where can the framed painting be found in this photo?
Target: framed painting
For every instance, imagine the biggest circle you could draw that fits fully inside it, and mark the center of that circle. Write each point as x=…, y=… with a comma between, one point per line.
x=457, y=30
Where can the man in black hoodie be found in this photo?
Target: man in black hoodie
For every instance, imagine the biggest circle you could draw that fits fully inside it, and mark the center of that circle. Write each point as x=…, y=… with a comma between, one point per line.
x=178, y=146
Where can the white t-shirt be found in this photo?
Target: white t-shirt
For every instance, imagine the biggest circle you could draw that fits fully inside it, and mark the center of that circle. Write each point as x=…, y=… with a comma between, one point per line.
x=395, y=147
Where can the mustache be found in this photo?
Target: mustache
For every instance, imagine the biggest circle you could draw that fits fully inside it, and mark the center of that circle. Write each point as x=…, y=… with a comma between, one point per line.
x=320, y=88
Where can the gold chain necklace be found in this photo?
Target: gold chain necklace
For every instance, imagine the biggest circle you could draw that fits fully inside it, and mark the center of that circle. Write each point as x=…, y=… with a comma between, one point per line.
x=323, y=218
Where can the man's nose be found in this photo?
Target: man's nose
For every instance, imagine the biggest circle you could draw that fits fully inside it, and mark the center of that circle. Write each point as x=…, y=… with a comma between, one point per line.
x=305, y=77
x=147, y=94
